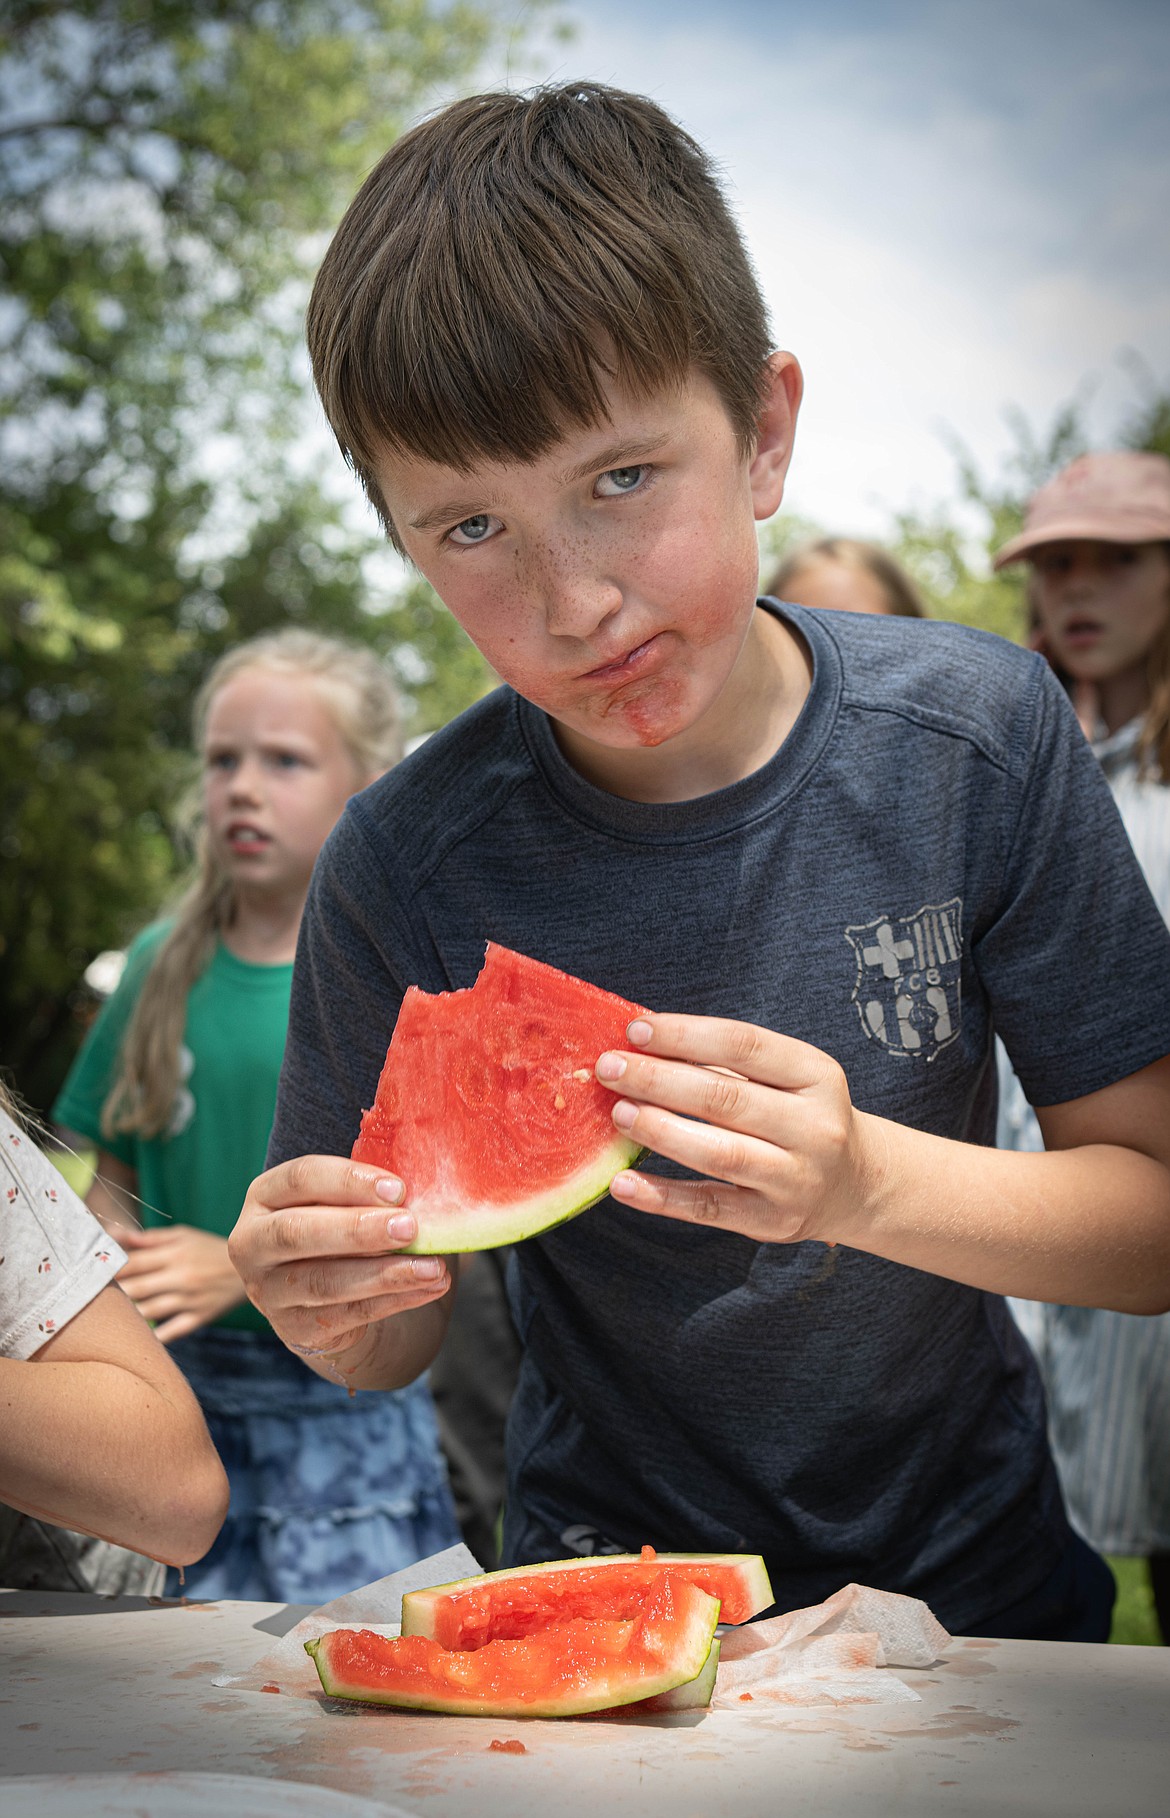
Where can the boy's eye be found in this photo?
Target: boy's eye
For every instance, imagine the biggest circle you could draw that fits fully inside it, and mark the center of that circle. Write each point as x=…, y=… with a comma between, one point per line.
x=474, y=530
x=221, y=760
x=617, y=480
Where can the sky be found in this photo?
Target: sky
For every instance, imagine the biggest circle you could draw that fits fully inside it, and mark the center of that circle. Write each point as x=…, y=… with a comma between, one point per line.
x=955, y=210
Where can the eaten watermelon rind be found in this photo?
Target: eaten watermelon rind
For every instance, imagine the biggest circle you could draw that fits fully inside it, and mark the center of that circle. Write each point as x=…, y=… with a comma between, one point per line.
x=668, y=1647
x=695, y=1695
x=455, y=1230
x=749, y=1592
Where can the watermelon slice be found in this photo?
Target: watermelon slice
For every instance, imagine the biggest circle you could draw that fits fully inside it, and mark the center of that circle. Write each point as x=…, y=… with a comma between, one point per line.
x=495, y=1606
x=564, y=1671
x=488, y=1109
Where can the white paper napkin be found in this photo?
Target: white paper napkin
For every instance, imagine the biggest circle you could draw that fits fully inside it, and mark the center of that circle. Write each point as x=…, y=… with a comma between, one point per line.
x=836, y=1652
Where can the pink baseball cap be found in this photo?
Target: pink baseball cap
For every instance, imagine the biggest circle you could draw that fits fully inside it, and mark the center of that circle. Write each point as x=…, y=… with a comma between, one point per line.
x=1100, y=498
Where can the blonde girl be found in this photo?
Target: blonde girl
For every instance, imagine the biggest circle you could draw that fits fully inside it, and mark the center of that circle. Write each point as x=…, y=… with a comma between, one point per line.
x=846, y=575
x=176, y=1085
x=1097, y=540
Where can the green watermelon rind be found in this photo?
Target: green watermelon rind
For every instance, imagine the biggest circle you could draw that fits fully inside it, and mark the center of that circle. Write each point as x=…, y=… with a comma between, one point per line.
x=695, y=1695
x=446, y=1231
x=418, y=1606
x=621, y=1685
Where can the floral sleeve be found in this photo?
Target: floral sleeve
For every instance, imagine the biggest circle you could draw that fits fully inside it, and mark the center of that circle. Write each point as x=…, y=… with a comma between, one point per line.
x=54, y=1256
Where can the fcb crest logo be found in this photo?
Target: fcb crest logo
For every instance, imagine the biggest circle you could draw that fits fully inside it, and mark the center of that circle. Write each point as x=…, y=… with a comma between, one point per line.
x=908, y=978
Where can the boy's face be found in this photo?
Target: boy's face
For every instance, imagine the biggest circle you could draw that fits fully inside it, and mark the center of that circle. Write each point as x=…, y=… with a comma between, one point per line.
x=612, y=580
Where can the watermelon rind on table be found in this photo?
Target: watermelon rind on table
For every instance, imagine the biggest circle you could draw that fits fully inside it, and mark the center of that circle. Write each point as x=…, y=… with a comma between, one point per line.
x=488, y=1109
x=695, y=1695
x=521, y=1599
x=569, y=1669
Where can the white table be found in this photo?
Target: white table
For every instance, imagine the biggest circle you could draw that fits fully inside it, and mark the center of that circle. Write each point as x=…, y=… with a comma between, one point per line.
x=116, y=1688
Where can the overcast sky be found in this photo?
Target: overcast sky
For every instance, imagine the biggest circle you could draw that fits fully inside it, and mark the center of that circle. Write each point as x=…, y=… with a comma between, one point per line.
x=955, y=206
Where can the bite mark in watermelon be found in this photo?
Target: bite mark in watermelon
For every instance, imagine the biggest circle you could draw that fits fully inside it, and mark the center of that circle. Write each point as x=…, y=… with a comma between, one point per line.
x=521, y=1600
x=487, y=1107
x=566, y=1670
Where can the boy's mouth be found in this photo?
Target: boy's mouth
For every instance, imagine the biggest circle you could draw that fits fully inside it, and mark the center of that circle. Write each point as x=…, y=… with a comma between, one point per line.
x=630, y=664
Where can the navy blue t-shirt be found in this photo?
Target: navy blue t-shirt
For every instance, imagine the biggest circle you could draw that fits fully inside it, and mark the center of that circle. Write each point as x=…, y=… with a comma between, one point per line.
x=932, y=856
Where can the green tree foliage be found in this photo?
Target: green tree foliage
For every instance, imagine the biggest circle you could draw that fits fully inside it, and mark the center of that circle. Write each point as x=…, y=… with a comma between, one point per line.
x=949, y=555
x=168, y=176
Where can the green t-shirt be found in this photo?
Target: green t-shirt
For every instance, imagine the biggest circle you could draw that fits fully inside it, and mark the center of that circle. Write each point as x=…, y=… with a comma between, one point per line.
x=233, y=1045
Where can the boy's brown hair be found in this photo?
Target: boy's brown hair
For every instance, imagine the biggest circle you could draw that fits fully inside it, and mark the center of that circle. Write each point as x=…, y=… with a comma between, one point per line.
x=508, y=255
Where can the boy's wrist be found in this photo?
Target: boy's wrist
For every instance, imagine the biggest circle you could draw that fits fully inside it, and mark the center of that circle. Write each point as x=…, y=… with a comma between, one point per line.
x=390, y=1353
x=872, y=1174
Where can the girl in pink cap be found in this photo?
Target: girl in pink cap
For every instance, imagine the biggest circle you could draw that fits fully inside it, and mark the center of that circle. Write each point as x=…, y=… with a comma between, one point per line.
x=1097, y=539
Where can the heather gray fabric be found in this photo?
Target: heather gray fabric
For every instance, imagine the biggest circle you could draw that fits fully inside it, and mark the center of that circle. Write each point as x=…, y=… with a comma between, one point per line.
x=932, y=853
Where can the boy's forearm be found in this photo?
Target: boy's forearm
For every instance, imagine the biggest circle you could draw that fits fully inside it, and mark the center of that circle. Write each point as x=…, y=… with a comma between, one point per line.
x=1085, y=1226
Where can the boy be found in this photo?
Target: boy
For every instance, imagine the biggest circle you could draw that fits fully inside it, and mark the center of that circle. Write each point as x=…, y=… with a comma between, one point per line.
x=538, y=340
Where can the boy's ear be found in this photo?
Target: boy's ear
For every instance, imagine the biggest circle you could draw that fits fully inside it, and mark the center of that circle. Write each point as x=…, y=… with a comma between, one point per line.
x=777, y=432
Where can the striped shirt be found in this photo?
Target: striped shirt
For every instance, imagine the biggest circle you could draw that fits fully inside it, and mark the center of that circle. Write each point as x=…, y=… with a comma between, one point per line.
x=1107, y=1375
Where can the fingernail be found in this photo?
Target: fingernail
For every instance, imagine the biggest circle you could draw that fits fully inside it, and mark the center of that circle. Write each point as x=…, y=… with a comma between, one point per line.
x=427, y=1267
x=401, y=1227
x=610, y=1066
x=624, y=1114
x=389, y=1189
x=625, y=1185
x=639, y=1032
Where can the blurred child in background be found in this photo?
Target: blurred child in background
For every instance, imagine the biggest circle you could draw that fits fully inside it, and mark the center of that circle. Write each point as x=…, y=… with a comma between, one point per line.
x=176, y=1085
x=1097, y=540
x=100, y=1432
x=846, y=575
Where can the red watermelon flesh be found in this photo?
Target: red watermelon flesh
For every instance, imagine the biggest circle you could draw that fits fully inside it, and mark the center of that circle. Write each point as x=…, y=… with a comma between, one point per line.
x=566, y=1670
x=487, y=1107
x=522, y=1600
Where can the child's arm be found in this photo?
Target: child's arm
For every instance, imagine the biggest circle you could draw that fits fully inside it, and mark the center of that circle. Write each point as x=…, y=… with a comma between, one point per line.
x=787, y=1157
x=100, y=1432
x=317, y=1247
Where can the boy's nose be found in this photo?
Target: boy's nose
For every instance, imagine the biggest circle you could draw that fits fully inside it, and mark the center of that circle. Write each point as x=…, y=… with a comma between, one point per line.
x=576, y=593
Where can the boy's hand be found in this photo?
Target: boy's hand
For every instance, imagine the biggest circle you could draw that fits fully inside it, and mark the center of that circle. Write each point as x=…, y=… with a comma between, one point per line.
x=316, y=1248
x=779, y=1143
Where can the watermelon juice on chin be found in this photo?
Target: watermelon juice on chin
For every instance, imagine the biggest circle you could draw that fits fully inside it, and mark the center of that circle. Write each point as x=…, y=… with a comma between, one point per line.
x=487, y=1106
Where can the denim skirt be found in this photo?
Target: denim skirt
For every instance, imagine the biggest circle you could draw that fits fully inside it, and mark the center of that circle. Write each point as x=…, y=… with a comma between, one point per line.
x=328, y=1491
